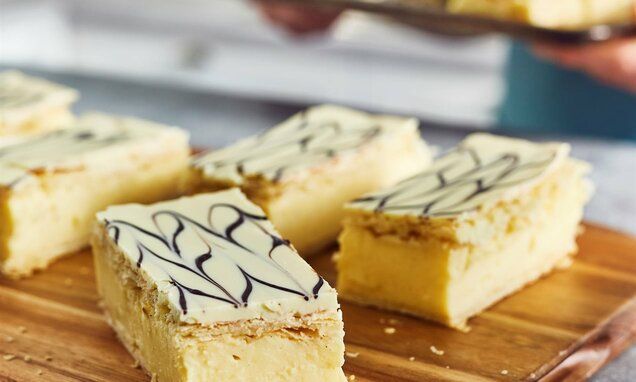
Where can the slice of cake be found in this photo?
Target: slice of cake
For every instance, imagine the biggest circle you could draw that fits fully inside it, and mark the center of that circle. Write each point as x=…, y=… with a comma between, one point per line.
x=30, y=105
x=51, y=185
x=203, y=288
x=484, y=220
x=550, y=13
x=302, y=171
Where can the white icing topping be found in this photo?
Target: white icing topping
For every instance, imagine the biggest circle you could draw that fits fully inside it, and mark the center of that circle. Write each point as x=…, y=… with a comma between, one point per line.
x=21, y=96
x=482, y=170
x=217, y=258
x=307, y=140
x=91, y=142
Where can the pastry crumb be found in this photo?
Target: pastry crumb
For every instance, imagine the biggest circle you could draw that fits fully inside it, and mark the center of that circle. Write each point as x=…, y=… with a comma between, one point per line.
x=393, y=321
x=48, y=358
x=352, y=354
x=389, y=330
x=135, y=365
x=27, y=358
x=272, y=306
x=9, y=339
x=8, y=357
x=39, y=372
x=504, y=372
x=22, y=329
x=448, y=367
x=352, y=377
x=411, y=359
x=437, y=351
x=533, y=375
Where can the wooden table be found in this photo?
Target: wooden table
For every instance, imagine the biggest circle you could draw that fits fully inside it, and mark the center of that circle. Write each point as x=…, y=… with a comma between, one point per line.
x=562, y=328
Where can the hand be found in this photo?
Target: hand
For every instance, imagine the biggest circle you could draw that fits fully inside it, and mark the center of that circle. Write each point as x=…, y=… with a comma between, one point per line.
x=613, y=63
x=298, y=19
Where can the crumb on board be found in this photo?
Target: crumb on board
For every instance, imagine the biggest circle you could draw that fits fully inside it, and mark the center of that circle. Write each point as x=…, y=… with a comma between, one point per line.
x=533, y=375
x=411, y=359
x=352, y=354
x=27, y=358
x=135, y=365
x=393, y=321
x=448, y=367
x=38, y=372
x=22, y=329
x=437, y=351
x=504, y=372
x=9, y=339
x=389, y=330
x=352, y=377
x=8, y=357
x=48, y=358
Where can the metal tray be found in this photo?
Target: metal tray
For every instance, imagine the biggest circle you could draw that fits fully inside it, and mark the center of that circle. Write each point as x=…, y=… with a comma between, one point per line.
x=432, y=15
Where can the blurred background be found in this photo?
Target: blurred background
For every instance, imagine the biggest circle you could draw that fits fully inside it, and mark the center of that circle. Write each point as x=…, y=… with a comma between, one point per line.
x=225, y=69
x=227, y=46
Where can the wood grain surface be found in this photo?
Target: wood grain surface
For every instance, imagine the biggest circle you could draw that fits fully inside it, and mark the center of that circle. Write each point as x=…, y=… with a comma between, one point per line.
x=562, y=328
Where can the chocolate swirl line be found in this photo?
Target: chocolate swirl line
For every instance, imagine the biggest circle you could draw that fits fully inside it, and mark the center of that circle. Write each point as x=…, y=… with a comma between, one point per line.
x=14, y=94
x=302, y=142
x=19, y=160
x=19, y=91
x=195, y=273
x=457, y=183
x=52, y=141
x=15, y=97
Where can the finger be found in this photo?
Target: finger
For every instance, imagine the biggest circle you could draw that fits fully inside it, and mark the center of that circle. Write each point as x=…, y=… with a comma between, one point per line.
x=613, y=63
x=566, y=56
x=617, y=58
x=298, y=19
x=616, y=81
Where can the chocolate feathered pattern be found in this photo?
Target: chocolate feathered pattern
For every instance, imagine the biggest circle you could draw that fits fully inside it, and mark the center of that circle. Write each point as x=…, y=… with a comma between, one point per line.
x=74, y=141
x=214, y=240
x=453, y=183
x=17, y=96
x=273, y=153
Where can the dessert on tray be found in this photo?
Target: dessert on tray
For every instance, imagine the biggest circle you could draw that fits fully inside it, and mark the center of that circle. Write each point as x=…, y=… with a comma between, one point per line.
x=203, y=288
x=302, y=171
x=52, y=184
x=30, y=105
x=551, y=13
x=485, y=219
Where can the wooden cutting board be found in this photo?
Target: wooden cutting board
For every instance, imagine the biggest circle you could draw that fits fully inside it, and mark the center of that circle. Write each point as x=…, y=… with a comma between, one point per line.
x=562, y=328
